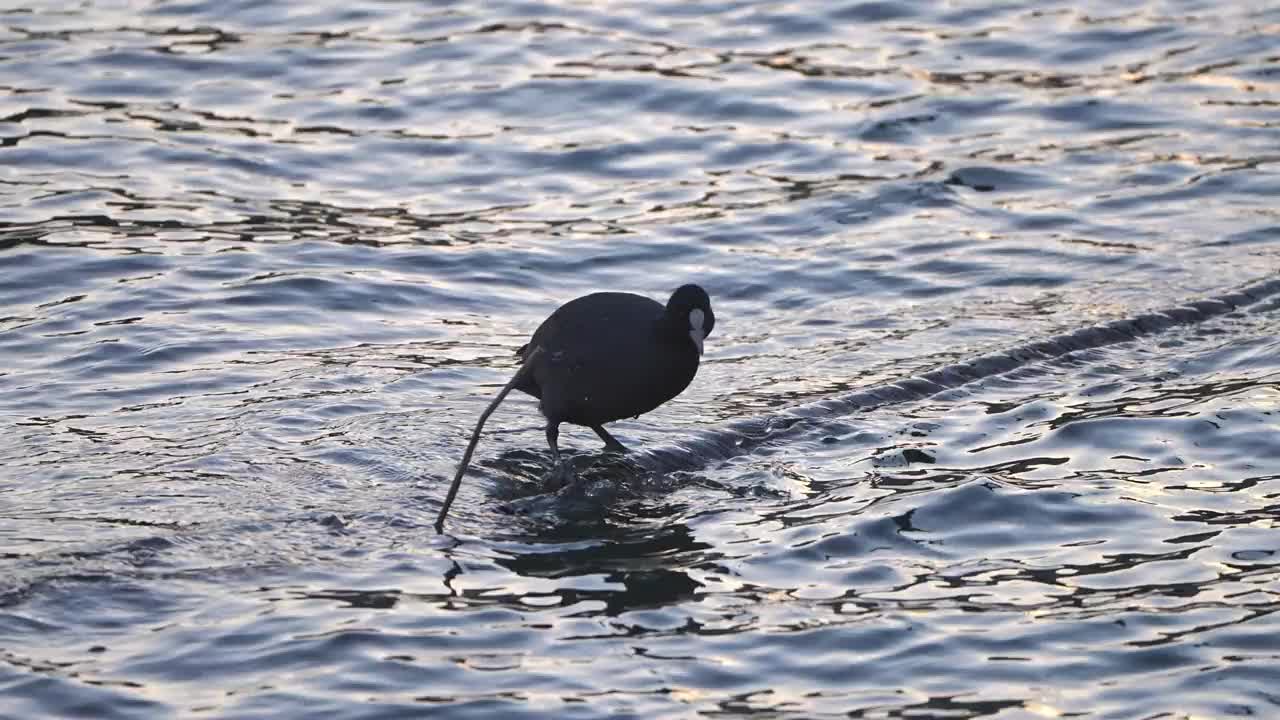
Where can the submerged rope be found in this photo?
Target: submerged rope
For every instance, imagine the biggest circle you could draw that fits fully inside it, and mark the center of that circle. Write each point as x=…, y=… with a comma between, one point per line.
x=475, y=435
x=742, y=436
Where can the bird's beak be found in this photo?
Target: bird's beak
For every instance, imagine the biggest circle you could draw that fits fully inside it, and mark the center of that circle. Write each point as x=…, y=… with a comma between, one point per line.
x=698, y=337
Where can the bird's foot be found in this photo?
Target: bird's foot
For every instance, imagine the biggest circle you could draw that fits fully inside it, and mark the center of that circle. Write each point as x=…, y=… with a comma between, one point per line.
x=615, y=447
x=561, y=475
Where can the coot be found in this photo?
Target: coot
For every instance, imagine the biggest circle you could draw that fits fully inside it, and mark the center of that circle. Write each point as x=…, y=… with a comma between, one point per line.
x=611, y=355
x=603, y=357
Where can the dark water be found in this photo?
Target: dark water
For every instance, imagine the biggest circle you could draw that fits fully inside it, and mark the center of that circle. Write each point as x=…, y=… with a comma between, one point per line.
x=263, y=264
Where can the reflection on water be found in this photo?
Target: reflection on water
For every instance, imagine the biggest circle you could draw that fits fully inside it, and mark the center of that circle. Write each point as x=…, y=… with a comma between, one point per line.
x=958, y=448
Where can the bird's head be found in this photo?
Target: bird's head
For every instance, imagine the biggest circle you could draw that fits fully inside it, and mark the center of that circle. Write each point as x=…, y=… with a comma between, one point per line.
x=690, y=309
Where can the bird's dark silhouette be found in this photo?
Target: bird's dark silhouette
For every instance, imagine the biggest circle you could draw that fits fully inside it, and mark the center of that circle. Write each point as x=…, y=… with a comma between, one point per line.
x=603, y=357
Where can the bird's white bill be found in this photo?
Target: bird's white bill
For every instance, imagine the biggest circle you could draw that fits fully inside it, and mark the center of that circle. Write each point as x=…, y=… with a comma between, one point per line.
x=696, y=332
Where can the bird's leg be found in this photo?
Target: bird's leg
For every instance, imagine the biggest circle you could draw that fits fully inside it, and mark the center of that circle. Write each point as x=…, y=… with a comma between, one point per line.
x=561, y=472
x=553, y=436
x=611, y=443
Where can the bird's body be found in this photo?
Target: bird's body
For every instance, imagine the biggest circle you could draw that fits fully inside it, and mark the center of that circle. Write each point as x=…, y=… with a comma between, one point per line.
x=607, y=359
x=612, y=355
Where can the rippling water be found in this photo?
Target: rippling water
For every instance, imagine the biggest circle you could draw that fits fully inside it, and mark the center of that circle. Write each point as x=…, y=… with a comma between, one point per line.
x=263, y=264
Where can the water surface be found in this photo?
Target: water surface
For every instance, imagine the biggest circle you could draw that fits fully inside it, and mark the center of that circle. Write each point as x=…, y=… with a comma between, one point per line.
x=262, y=266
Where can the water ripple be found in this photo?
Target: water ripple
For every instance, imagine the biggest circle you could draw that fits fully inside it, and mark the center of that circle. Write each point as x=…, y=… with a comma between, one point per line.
x=958, y=446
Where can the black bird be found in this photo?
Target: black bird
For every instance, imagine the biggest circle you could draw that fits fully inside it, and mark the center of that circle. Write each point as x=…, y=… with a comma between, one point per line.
x=611, y=355
x=600, y=358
